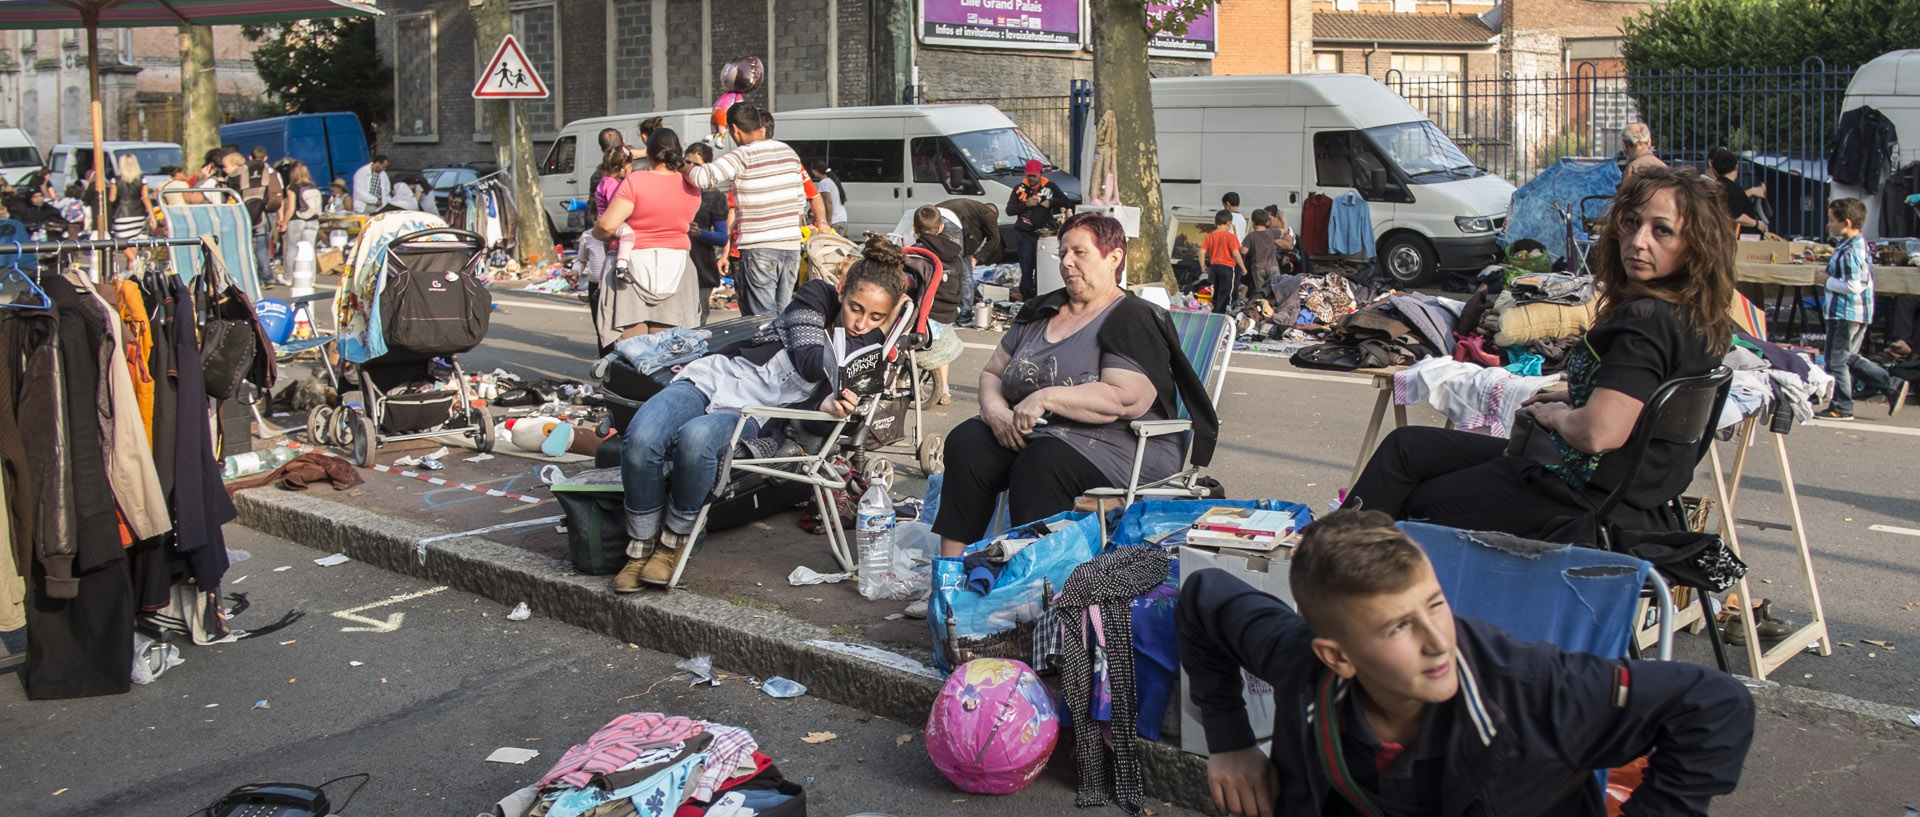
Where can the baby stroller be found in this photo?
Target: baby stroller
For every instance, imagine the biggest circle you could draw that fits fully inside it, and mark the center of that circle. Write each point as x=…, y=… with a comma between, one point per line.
x=428, y=306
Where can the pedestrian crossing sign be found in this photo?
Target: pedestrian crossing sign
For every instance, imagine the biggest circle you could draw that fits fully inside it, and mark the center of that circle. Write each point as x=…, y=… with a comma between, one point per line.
x=509, y=75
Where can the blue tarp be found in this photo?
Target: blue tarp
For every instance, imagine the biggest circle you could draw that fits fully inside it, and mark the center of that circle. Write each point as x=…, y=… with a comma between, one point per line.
x=1565, y=183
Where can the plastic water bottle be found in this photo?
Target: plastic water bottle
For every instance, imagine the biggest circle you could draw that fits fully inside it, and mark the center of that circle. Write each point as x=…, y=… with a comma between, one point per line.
x=255, y=462
x=874, y=520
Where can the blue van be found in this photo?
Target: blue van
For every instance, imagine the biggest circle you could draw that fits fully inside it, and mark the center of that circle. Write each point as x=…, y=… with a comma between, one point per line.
x=332, y=144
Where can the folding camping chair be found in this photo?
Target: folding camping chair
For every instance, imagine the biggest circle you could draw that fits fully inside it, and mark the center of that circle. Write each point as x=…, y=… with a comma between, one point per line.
x=226, y=223
x=1206, y=339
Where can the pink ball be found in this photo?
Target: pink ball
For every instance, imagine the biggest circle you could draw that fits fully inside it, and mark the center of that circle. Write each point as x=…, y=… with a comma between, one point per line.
x=992, y=727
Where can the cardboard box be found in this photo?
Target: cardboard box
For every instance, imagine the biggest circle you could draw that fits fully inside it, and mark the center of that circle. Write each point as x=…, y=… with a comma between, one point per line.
x=1770, y=252
x=1267, y=574
x=329, y=261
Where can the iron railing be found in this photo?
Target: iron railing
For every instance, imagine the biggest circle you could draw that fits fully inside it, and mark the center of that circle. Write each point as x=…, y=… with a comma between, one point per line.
x=1045, y=119
x=1779, y=120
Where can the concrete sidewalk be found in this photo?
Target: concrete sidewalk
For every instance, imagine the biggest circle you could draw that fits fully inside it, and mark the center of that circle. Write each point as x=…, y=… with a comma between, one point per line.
x=1814, y=752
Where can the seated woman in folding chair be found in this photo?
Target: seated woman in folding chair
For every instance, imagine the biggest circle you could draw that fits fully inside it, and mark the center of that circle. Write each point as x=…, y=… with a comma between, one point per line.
x=1665, y=268
x=690, y=423
x=1056, y=398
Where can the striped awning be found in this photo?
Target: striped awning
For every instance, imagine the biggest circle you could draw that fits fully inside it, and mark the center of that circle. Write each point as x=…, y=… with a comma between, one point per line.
x=52, y=14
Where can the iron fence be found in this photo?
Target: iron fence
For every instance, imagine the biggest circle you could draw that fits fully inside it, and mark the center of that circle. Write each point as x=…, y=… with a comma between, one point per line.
x=1779, y=120
x=1045, y=119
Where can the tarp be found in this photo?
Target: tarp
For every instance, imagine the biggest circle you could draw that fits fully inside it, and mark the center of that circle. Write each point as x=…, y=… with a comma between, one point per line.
x=1564, y=183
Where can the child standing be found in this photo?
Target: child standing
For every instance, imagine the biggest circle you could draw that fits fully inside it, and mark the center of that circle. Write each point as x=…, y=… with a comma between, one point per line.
x=1231, y=201
x=1849, y=310
x=1222, y=250
x=1263, y=253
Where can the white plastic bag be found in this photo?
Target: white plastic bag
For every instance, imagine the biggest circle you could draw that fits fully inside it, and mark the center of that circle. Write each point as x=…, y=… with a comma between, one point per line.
x=908, y=573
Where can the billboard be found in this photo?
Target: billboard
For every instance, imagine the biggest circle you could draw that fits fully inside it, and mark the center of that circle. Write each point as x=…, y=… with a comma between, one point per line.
x=1033, y=24
x=1199, y=42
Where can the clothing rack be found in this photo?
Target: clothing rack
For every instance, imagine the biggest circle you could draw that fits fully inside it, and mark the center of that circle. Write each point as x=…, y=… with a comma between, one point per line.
x=92, y=244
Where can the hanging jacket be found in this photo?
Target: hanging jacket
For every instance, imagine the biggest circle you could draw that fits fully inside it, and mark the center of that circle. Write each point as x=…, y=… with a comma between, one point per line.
x=130, y=473
x=33, y=447
x=1862, y=149
x=1314, y=215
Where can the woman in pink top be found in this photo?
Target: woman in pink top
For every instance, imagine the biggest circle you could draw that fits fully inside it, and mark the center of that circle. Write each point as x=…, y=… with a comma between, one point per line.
x=653, y=284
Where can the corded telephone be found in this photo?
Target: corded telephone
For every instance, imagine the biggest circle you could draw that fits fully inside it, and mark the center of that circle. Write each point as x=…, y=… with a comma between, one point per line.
x=273, y=800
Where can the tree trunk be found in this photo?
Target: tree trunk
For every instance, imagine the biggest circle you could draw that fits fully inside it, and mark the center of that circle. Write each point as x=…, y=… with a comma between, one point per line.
x=199, y=95
x=513, y=144
x=1120, y=84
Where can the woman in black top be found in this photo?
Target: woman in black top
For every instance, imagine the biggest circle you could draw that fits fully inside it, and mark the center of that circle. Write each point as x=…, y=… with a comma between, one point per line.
x=1665, y=267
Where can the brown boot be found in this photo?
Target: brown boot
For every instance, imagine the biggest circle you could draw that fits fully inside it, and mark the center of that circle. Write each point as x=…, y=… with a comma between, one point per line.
x=629, y=578
x=659, y=569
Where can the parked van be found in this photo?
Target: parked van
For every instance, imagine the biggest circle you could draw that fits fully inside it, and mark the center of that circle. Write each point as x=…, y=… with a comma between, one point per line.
x=18, y=156
x=332, y=144
x=72, y=161
x=891, y=158
x=1276, y=139
x=574, y=156
x=1890, y=84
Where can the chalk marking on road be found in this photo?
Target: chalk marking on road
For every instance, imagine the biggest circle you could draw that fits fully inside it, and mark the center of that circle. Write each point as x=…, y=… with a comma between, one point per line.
x=447, y=483
x=1844, y=425
x=375, y=625
x=1892, y=529
x=1324, y=378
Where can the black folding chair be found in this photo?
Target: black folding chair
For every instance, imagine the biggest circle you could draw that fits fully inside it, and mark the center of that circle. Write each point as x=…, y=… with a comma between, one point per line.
x=1684, y=411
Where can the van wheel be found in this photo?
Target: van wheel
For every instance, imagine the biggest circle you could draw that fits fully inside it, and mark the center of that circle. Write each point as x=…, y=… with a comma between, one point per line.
x=1409, y=259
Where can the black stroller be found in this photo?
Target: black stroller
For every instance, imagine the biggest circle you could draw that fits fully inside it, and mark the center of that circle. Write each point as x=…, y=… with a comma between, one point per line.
x=432, y=306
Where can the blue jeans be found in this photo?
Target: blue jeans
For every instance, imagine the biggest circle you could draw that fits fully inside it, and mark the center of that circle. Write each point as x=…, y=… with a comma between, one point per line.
x=1844, y=361
x=671, y=428
x=263, y=248
x=1027, y=246
x=765, y=280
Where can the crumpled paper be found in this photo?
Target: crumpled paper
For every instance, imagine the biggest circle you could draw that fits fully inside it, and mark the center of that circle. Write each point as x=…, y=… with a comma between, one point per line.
x=806, y=575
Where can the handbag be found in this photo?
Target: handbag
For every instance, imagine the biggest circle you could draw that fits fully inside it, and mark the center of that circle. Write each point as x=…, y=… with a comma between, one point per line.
x=1687, y=558
x=654, y=282
x=1529, y=439
x=233, y=346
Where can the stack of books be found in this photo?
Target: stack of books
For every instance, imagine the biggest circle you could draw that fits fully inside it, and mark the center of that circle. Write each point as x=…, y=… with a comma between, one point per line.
x=1241, y=529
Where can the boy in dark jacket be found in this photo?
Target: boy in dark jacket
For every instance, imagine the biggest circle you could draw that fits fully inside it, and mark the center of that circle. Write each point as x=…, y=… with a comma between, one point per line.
x=1035, y=205
x=1386, y=703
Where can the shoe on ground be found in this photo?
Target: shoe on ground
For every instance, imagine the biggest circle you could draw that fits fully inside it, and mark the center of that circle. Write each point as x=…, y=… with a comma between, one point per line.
x=1897, y=398
x=1831, y=413
x=918, y=609
x=628, y=580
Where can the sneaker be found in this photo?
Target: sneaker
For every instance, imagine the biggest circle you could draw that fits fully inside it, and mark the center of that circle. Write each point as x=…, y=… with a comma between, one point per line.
x=628, y=580
x=1897, y=398
x=1831, y=413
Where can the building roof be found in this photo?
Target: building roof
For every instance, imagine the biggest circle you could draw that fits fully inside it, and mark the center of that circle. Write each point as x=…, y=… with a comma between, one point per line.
x=1401, y=29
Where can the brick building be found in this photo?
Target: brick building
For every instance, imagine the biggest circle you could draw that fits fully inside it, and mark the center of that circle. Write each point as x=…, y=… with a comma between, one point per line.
x=43, y=82
x=1468, y=39
x=604, y=57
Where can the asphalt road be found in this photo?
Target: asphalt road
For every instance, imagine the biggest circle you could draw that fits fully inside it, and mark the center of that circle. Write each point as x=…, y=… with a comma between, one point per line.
x=1294, y=434
x=428, y=701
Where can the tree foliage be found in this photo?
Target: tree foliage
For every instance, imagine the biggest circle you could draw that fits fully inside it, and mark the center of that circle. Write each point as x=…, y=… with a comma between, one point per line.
x=324, y=66
x=1757, y=34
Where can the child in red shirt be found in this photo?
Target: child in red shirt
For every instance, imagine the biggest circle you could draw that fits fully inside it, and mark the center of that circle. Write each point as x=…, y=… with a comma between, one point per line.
x=1222, y=251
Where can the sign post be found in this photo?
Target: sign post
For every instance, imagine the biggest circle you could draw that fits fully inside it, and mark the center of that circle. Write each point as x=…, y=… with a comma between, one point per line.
x=510, y=76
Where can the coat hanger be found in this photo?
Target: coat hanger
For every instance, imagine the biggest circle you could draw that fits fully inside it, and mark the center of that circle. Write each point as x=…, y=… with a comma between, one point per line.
x=25, y=299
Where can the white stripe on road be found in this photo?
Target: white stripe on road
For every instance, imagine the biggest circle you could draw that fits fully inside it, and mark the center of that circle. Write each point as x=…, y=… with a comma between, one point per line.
x=1892, y=529
x=1844, y=425
x=532, y=304
x=1325, y=378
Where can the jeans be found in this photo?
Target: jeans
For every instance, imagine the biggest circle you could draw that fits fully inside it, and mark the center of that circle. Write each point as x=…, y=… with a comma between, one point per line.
x=1226, y=284
x=1027, y=245
x=765, y=279
x=263, y=249
x=1844, y=361
x=673, y=429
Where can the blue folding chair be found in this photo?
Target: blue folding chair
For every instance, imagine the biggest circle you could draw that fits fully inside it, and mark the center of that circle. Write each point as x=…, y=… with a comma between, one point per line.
x=1578, y=599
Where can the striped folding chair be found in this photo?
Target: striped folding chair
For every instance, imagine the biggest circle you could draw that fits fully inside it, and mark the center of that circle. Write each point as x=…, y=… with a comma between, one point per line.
x=1206, y=339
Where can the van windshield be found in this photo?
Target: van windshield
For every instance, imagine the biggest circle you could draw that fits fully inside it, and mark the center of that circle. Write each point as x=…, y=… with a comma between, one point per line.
x=151, y=159
x=25, y=156
x=999, y=151
x=1423, y=152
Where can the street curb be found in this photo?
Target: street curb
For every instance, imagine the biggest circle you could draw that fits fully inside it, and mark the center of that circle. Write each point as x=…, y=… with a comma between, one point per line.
x=763, y=643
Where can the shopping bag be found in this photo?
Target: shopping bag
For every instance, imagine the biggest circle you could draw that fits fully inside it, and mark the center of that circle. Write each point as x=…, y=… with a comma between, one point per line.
x=596, y=521
x=1152, y=517
x=1000, y=623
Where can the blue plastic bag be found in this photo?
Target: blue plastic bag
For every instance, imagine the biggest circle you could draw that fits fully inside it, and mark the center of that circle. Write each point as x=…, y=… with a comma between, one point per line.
x=1152, y=517
x=1016, y=595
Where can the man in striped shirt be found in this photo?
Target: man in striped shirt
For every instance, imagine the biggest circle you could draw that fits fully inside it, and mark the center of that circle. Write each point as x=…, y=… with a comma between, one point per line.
x=769, y=196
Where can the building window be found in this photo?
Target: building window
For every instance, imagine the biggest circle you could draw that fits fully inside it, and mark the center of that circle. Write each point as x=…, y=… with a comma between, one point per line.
x=630, y=61
x=1326, y=62
x=537, y=27
x=1434, y=83
x=417, y=117
x=1403, y=6
x=1346, y=5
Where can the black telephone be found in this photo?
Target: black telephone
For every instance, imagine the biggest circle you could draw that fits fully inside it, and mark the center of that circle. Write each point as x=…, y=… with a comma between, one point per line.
x=273, y=800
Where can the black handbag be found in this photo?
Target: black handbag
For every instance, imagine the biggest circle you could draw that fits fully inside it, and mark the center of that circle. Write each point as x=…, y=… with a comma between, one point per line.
x=1687, y=558
x=233, y=347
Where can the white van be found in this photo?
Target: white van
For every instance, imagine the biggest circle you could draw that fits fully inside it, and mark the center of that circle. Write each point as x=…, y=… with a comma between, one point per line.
x=890, y=158
x=573, y=157
x=894, y=158
x=18, y=156
x=72, y=161
x=1889, y=83
x=1277, y=139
